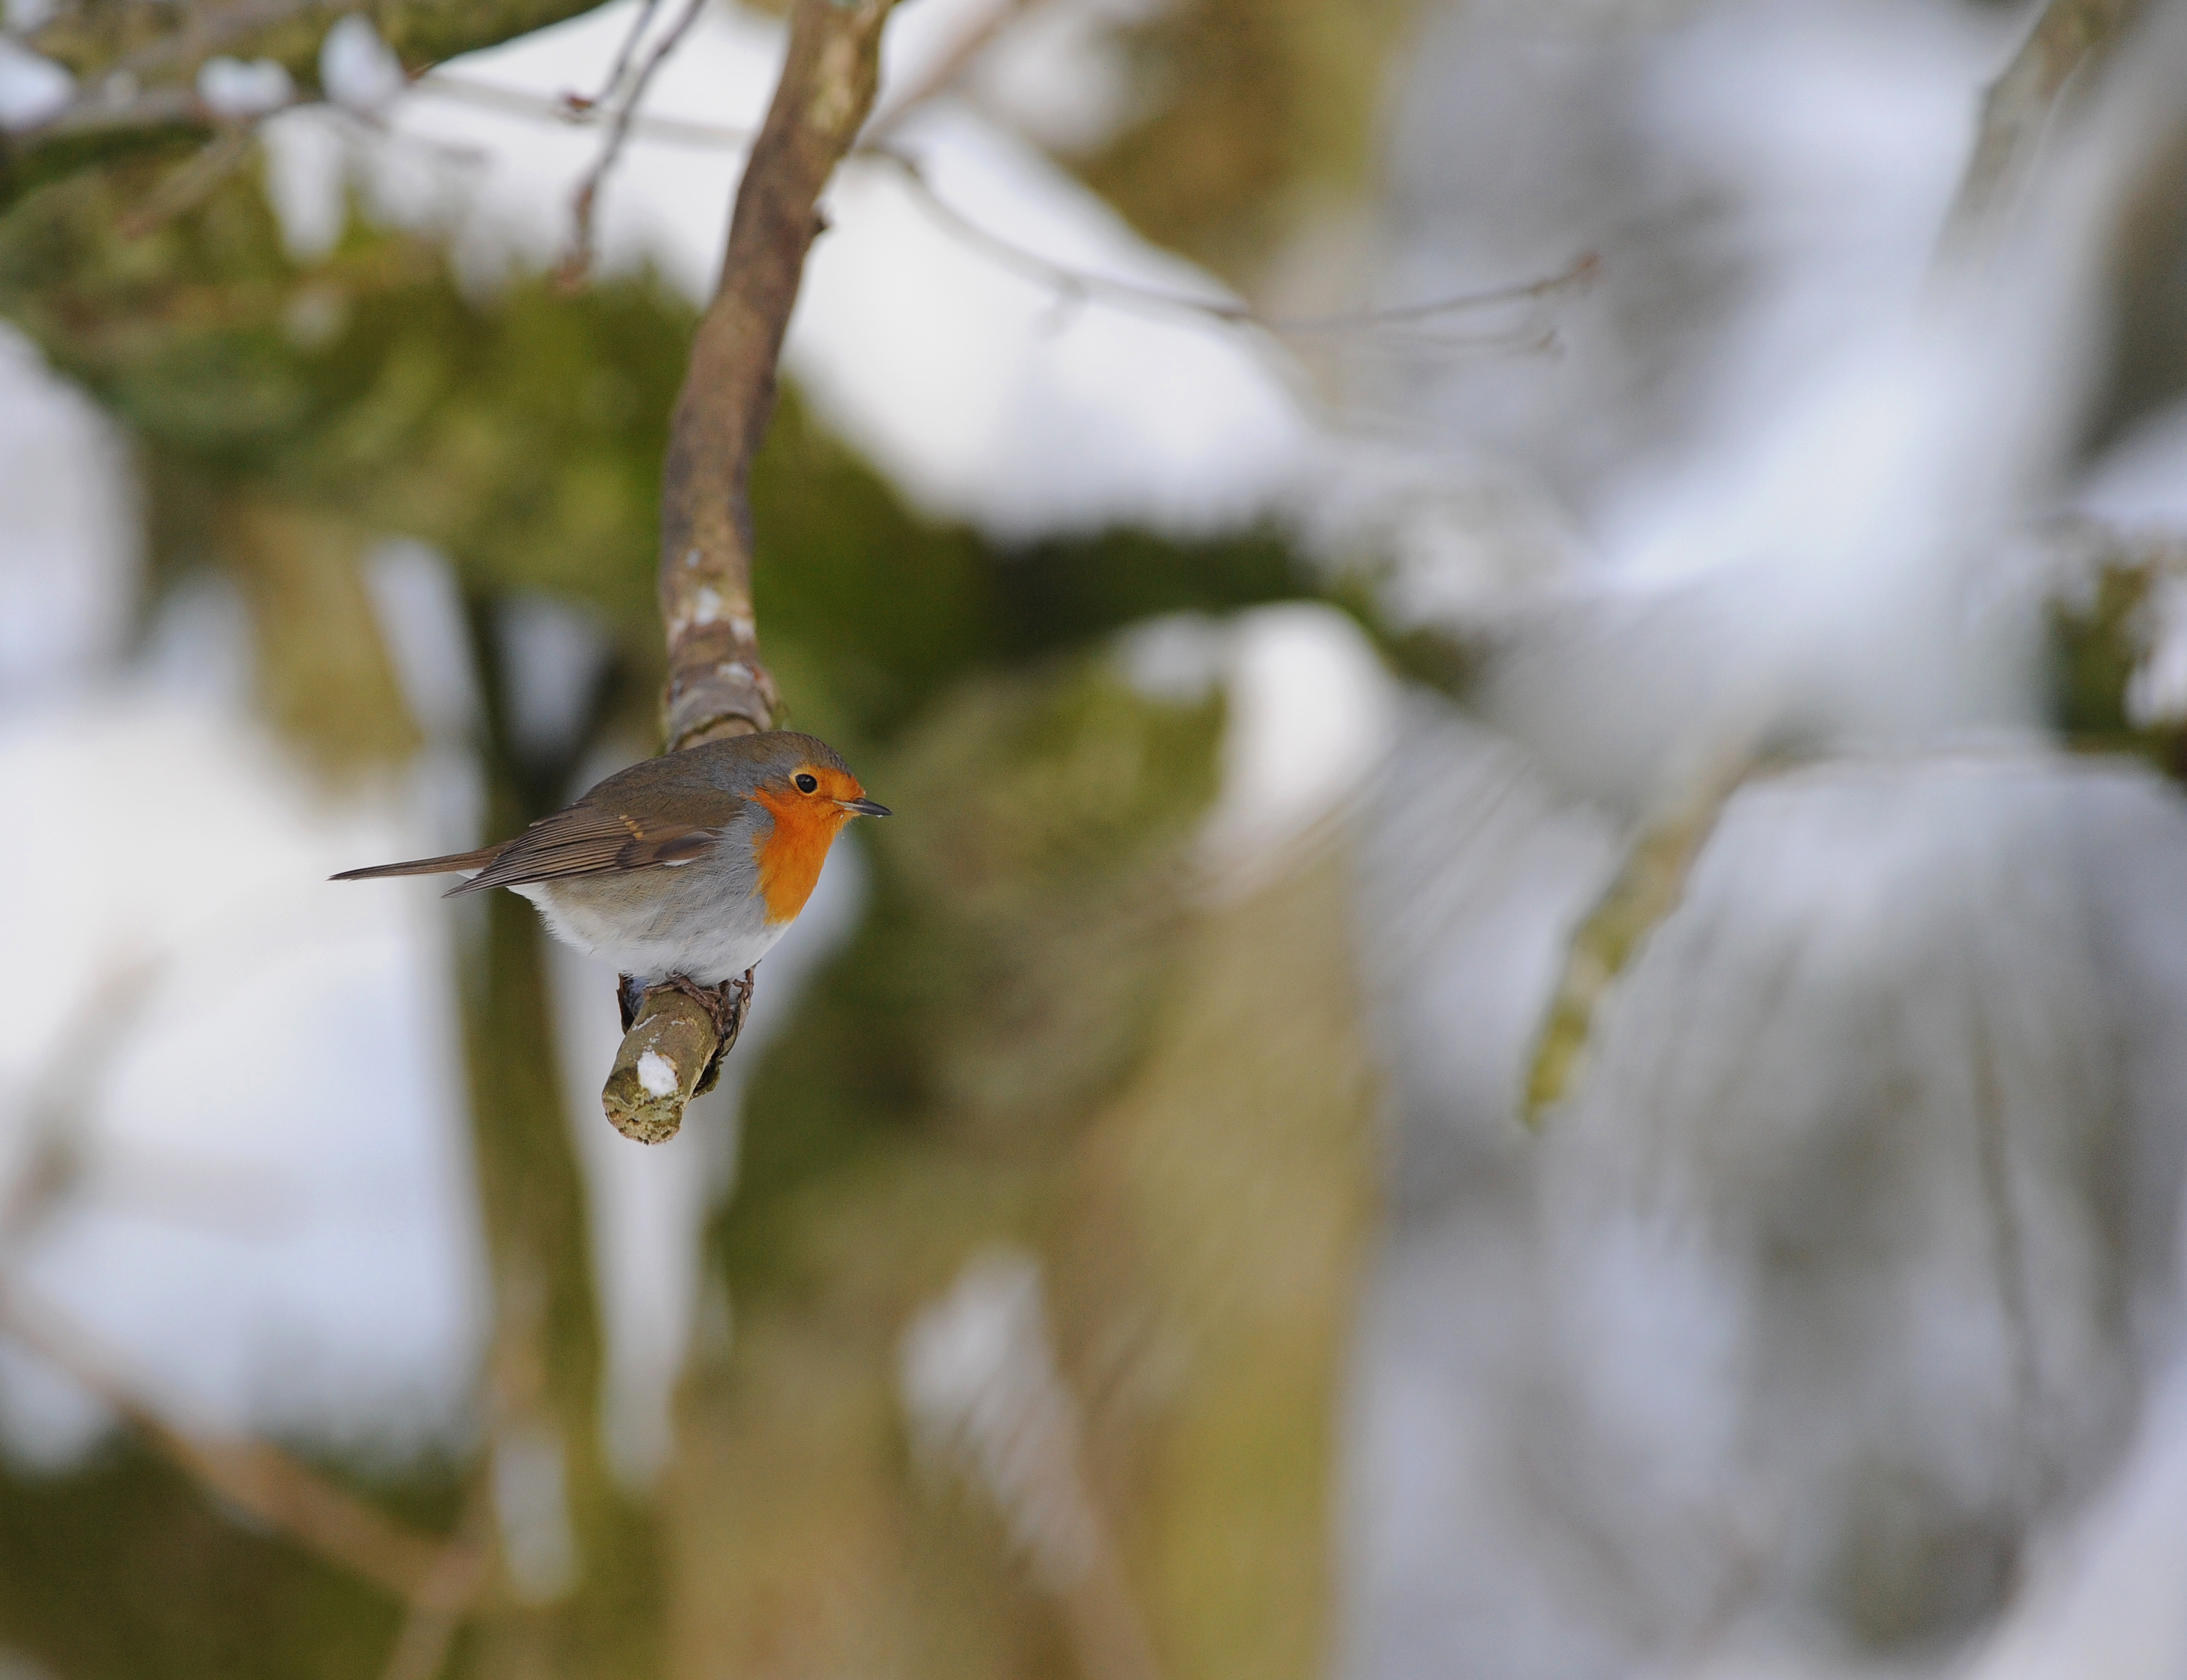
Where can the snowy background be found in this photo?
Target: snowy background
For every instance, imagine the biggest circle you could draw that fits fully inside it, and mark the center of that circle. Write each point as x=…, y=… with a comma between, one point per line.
x=1829, y=1325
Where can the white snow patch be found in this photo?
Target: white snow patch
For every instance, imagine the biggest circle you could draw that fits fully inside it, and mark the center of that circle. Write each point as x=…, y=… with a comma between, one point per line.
x=273, y=1229
x=1312, y=713
x=657, y=1073
x=232, y=88
x=32, y=89
x=69, y=543
x=356, y=68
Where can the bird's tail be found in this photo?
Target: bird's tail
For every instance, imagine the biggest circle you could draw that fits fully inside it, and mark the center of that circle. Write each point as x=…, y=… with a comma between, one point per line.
x=423, y=866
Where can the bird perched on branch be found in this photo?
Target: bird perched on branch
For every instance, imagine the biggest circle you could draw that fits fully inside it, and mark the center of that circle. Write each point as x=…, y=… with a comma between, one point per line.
x=682, y=870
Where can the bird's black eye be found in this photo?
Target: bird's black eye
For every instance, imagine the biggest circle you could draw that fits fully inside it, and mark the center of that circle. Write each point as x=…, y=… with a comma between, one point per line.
x=808, y=783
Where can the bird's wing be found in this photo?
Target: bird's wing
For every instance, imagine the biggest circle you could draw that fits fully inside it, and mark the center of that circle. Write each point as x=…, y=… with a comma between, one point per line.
x=594, y=837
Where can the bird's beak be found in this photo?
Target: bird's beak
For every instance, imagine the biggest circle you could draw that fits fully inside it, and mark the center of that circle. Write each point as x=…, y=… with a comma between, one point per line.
x=864, y=807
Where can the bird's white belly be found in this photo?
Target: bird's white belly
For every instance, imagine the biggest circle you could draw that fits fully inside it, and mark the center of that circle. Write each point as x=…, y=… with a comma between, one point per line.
x=703, y=923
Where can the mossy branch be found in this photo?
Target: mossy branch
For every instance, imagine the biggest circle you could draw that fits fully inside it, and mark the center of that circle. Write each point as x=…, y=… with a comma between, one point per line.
x=1649, y=885
x=136, y=65
x=718, y=685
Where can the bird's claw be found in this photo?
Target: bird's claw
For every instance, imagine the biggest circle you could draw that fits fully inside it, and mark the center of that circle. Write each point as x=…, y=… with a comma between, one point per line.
x=725, y=1006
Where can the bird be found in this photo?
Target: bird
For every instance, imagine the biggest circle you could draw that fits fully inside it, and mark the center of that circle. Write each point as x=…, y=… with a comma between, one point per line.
x=682, y=870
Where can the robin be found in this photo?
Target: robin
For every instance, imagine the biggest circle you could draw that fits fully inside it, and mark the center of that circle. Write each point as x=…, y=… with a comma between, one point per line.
x=682, y=870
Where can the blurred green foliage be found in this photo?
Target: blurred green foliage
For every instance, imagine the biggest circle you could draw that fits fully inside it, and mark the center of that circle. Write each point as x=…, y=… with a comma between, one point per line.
x=1043, y=1038
x=2100, y=634
x=121, y=1566
x=1004, y=973
x=520, y=433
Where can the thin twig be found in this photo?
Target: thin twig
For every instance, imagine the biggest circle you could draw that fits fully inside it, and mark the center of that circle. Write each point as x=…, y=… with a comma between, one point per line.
x=1074, y=286
x=430, y=1625
x=579, y=262
x=259, y=1479
x=670, y=130
x=945, y=74
x=1650, y=885
x=623, y=56
x=59, y=1096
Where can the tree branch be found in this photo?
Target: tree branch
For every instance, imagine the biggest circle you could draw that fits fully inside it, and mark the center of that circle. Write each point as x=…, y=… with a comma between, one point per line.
x=166, y=42
x=111, y=50
x=267, y=1485
x=718, y=686
x=1649, y=885
x=579, y=261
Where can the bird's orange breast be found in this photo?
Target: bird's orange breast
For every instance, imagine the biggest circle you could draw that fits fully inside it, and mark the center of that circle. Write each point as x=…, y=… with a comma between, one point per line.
x=790, y=856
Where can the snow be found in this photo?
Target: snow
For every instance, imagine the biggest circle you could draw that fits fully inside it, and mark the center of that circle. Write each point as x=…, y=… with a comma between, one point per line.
x=68, y=560
x=356, y=68
x=273, y=1225
x=656, y=1074
x=32, y=89
x=233, y=89
x=1570, y=1351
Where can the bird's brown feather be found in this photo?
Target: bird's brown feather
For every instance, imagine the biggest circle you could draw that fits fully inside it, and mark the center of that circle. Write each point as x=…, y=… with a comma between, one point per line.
x=590, y=839
x=423, y=865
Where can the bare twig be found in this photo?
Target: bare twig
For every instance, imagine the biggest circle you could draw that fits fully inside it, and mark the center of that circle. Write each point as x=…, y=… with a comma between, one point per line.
x=265, y=1483
x=59, y=1098
x=672, y=130
x=155, y=107
x=946, y=73
x=1076, y=286
x=717, y=683
x=718, y=686
x=1073, y=286
x=623, y=56
x=430, y=1626
x=579, y=262
x=2017, y=109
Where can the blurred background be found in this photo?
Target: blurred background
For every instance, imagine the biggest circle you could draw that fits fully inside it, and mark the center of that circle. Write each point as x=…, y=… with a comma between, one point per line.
x=1526, y=1014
